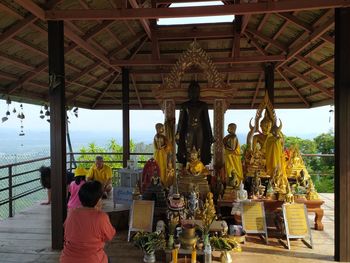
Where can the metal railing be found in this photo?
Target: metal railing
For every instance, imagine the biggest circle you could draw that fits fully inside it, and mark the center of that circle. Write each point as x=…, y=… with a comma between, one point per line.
x=21, y=179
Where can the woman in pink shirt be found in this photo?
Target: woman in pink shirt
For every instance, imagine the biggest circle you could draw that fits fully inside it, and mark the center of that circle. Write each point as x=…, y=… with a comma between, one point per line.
x=74, y=187
x=87, y=228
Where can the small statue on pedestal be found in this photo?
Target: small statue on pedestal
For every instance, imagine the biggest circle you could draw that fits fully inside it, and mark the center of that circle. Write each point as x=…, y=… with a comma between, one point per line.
x=195, y=167
x=160, y=143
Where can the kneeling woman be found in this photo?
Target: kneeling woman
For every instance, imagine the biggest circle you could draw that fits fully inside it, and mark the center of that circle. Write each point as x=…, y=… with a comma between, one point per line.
x=87, y=228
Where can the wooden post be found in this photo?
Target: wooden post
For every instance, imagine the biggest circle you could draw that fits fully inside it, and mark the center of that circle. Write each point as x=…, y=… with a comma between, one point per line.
x=126, y=116
x=270, y=81
x=342, y=135
x=169, y=121
x=57, y=130
x=219, y=114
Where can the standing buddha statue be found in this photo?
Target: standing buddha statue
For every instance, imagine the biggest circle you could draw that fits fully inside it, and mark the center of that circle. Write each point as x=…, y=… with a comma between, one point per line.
x=232, y=152
x=160, y=143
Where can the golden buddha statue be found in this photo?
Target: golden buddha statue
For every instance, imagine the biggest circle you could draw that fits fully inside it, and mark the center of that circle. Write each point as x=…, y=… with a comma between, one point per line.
x=160, y=143
x=195, y=166
x=295, y=167
x=265, y=153
x=232, y=153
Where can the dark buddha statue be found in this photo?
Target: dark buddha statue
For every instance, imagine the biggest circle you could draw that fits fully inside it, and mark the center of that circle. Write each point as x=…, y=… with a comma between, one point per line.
x=193, y=129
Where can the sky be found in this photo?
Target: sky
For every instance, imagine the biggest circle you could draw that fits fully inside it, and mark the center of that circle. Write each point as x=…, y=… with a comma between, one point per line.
x=295, y=121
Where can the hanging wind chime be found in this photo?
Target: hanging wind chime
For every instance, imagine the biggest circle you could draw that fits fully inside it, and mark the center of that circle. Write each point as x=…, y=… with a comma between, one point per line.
x=21, y=117
x=8, y=113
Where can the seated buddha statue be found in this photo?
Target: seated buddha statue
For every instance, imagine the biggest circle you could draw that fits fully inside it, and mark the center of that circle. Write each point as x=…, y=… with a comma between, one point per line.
x=195, y=167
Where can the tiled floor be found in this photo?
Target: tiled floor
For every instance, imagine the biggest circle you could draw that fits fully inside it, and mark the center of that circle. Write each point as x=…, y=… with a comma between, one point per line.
x=26, y=238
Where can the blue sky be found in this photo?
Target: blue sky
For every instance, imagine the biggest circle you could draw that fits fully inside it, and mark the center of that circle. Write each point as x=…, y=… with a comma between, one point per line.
x=295, y=122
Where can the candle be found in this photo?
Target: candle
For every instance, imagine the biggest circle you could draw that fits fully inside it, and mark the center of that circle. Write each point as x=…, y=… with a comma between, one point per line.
x=194, y=255
x=174, y=253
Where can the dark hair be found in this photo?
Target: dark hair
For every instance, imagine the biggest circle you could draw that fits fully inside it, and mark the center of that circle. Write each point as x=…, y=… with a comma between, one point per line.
x=79, y=178
x=90, y=193
x=45, y=176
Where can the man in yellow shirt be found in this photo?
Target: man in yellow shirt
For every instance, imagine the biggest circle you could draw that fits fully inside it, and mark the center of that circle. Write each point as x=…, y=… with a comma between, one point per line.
x=103, y=173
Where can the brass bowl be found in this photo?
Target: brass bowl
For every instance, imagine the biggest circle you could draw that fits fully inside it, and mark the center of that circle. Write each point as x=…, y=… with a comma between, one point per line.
x=188, y=231
x=187, y=242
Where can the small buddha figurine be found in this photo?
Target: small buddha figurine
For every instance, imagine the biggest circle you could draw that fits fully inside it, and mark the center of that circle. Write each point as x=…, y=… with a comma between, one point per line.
x=160, y=143
x=289, y=195
x=170, y=174
x=195, y=166
x=242, y=194
x=232, y=153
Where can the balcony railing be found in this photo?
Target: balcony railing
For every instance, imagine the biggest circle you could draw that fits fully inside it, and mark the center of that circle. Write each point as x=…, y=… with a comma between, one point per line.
x=20, y=181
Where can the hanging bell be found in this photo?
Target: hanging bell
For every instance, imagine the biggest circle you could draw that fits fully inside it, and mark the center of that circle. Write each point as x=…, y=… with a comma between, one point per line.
x=14, y=110
x=8, y=113
x=48, y=120
x=46, y=107
x=4, y=119
x=18, y=115
x=22, y=116
x=21, y=133
x=41, y=112
x=47, y=113
x=42, y=116
x=8, y=101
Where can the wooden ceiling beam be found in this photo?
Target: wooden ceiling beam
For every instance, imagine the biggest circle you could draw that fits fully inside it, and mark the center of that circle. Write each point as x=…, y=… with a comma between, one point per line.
x=16, y=28
x=261, y=76
x=262, y=22
x=8, y=76
x=316, y=33
x=316, y=66
x=83, y=44
x=17, y=62
x=127, y=43
x=32, y=7
x=10, y=11
x=136, y=90
x=327, y=92
x=278, y=33
x=308, y=28
x=26, y=77
x=294, y=88
x=82, y=90
x=144, y=22
x=180, y=12
x=190, y=33
x=254, y=42
x=236, y=69
x=105, y=90
x=224, y=60
x=265, y=38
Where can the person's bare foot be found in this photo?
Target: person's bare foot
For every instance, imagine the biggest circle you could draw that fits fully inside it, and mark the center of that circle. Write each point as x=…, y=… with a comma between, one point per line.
x=45, y=203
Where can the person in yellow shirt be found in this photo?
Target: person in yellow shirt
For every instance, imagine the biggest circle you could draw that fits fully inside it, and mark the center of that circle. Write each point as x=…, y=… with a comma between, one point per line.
x=103, y=173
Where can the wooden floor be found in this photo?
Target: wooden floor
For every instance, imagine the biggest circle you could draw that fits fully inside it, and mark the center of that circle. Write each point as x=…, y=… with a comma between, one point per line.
x=26, y=238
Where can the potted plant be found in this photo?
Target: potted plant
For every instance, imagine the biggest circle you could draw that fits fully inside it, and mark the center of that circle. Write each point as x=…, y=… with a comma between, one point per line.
x=149, y=243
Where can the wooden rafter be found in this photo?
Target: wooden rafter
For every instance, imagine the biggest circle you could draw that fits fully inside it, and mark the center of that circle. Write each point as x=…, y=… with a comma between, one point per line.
x=255, y=43
x=236, y=69
x=261, y=76
x=127, y=43
x=105, y=90
x=154, y=13
x=144, y=22
x=82, y=90
x=294, y=88
x=296, y=21
x=218, y=60
x=16, y=28
x=315, y=66
x=32, y=7
x=316, y=33
x=136, y=90
x=265, y=38
x=9, y=11
x=327, y=92
x=278, y=33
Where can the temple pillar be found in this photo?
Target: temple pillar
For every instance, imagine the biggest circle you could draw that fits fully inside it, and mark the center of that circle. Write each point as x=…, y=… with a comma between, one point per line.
x=169, y=123
x=126, y=116
x=57, y=131
x=270, y=81
x=342, y=135
x=219, y=114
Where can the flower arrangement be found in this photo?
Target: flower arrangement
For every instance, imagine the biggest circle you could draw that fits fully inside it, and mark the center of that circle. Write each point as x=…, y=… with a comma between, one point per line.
x=149, y=242
x=224, y=243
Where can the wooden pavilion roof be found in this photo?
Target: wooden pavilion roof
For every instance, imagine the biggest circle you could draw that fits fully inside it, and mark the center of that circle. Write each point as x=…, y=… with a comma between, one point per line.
x=101, y=36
